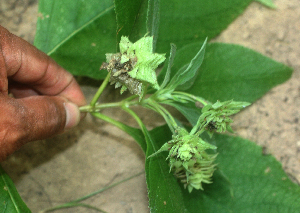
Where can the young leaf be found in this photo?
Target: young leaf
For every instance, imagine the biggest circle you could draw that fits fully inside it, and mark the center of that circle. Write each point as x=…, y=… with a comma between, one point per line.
x=234, y=72
x=181, y=60
x=169, y=67
x=185, y=77
x=10, y=200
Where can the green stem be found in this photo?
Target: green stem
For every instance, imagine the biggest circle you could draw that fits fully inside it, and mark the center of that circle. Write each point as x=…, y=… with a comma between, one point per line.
x=136, y=117
x=163, y=112
x=98, y=107
x=100, y=90
x=72, y=205
x=75, y=203
x=196, y=127
x=188, y=97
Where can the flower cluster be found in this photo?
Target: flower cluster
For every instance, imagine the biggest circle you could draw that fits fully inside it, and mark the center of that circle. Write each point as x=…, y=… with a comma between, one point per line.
x=214, y=117
x=189, y=160
x=134, y=66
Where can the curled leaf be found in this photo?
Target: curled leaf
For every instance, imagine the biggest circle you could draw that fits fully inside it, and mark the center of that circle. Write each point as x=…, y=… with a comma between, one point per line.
x=134, y=66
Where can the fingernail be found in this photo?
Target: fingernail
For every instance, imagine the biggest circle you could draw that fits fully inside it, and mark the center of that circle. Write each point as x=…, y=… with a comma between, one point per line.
x=72, y=115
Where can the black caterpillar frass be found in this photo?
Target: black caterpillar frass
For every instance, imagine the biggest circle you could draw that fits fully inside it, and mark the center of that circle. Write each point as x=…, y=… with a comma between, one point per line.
x=119, y=74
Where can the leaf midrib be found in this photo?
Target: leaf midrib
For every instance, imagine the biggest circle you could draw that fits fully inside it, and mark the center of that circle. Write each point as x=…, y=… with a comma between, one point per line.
x=10, y=194
x=79, y=29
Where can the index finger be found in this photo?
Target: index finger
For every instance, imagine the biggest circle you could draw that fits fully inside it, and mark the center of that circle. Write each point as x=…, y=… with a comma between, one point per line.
x=27, y=65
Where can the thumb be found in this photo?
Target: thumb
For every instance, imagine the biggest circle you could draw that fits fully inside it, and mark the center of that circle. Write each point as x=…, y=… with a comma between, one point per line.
x=33, y=118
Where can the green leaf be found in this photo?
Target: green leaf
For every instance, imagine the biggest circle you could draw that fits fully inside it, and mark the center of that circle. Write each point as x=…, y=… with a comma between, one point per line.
x=168, y=66
x=153, y=20
x=235, y=72
x=184, y=22
x=137, y=19
x=181, y=60
x=126, y=16
x=189, y=110
x=185, y=77
x=10, y=200
x=159, y=180
x=268, y=3
x=59, y=20
x=260, y=177
x=163, y=190
x=77, y=34
x=246, y=180
x=137, y=134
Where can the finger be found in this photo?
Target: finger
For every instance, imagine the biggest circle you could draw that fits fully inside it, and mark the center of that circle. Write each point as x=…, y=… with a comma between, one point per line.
x=27, y=65
x=20, y=90
x=33, y=118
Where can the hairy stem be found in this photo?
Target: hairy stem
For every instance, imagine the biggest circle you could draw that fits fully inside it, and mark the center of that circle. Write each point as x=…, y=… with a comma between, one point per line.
x=163, y=112
x=190, y=97
x=100, y=90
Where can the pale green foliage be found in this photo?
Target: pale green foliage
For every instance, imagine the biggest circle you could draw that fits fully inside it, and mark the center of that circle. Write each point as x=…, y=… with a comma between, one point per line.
x=134, y=67
x=214, y=117
x=188, y=159
x=146, y=61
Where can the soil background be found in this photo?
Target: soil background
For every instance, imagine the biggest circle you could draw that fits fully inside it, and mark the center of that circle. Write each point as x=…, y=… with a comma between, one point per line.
x=96, y=154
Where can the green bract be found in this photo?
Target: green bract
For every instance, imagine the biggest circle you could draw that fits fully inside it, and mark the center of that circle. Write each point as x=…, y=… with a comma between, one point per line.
x=214, y=117
x=134, y=66
x=189, y=160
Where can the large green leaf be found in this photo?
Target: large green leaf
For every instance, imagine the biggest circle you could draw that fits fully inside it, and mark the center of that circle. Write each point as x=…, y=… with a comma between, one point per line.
x=246, y=180
x=188, y=110
x=184, y=22
x=10, y=200
x=60, y=20
x=127, y=14
x=258, y=181
x=77, y=34
x=137, y=19
x=235, y=72
x=153, y=19
x=163, y=190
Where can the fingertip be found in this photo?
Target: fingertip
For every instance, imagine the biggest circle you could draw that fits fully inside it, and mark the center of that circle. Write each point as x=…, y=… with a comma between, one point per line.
x=72, y=115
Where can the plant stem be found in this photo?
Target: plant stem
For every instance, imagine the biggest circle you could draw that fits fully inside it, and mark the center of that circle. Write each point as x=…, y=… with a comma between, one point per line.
x=136, y=117
x=196, y=127
x=98, y=107
x=75, y=203
x=163, y=112
x=100, y=90
x=188, y=97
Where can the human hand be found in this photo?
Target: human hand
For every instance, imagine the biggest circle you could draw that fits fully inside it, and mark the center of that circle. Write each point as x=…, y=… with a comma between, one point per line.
x=46, y=97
